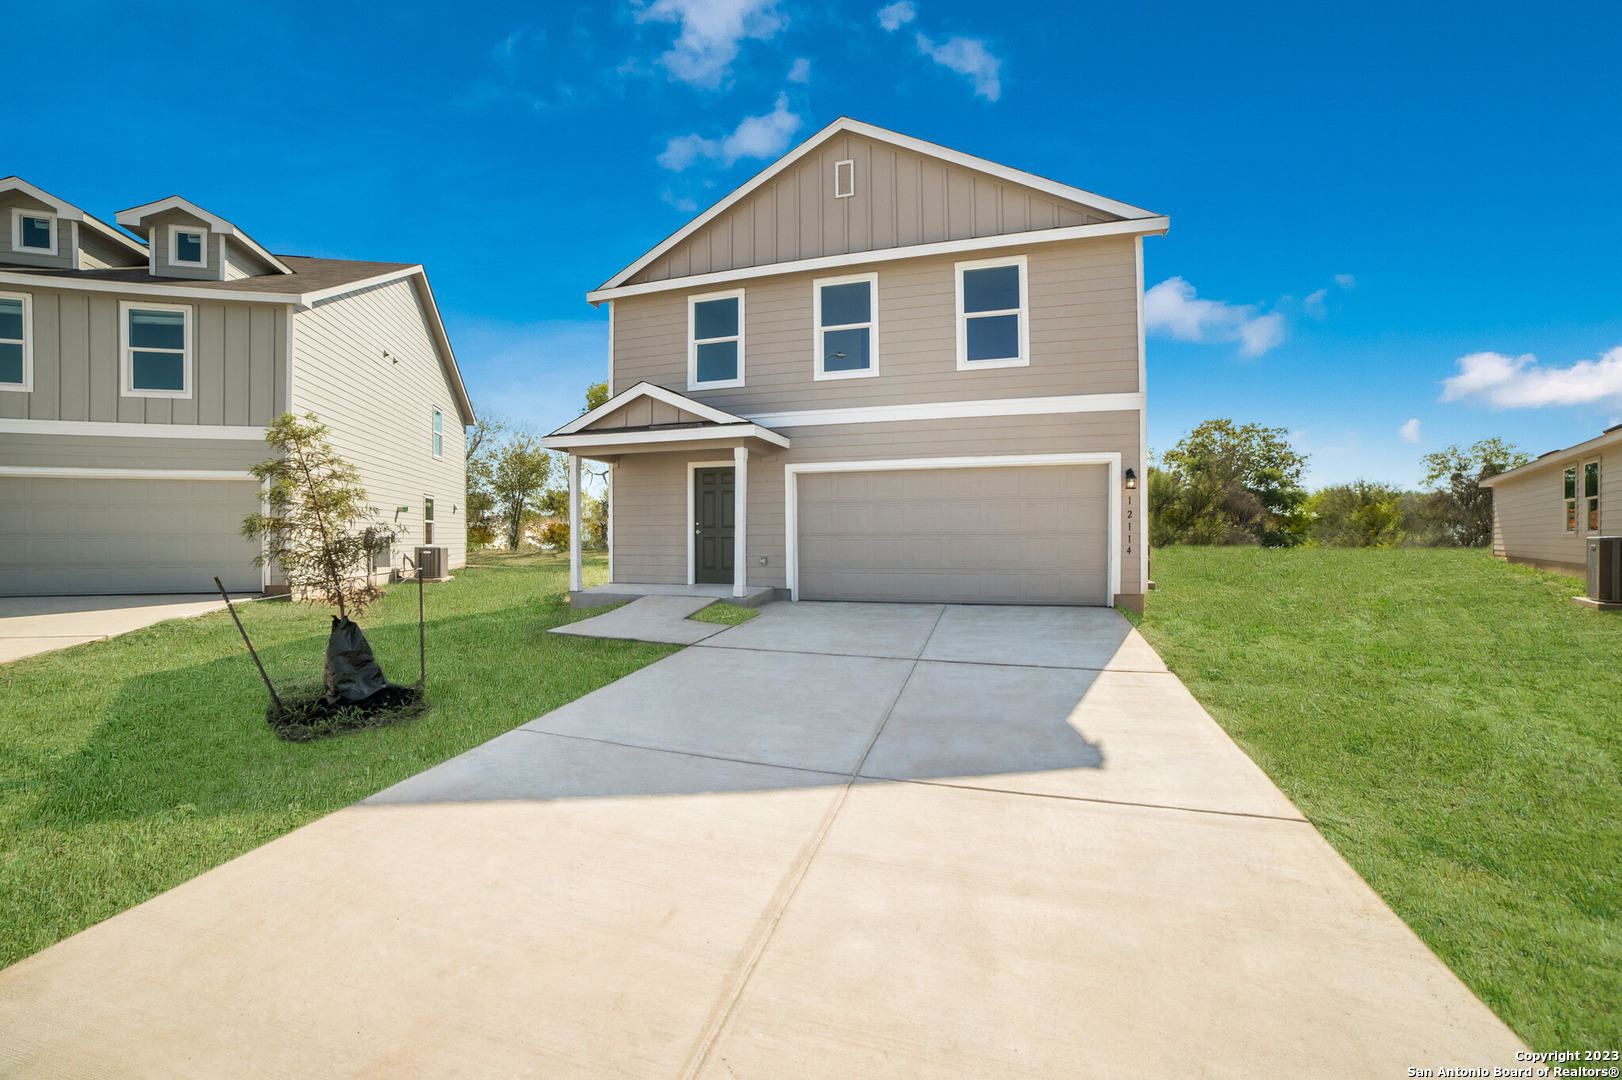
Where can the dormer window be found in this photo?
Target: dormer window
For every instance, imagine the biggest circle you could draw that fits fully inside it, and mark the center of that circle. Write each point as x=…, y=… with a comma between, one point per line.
x=33, y=231
x=188, y=247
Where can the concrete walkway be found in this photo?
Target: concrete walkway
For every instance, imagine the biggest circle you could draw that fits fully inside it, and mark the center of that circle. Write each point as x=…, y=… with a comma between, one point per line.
x=835, y=841
x=649, y=618
x=30, y=625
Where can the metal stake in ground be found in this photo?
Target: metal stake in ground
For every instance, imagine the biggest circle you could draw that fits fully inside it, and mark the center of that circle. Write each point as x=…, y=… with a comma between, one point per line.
x=422, y=631
x=232, y=609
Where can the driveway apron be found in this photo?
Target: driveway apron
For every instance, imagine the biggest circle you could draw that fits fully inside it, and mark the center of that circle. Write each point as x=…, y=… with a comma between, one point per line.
x=839, y=840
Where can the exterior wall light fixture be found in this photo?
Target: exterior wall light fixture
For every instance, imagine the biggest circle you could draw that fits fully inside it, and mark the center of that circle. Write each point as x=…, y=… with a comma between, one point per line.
x=1131, y=480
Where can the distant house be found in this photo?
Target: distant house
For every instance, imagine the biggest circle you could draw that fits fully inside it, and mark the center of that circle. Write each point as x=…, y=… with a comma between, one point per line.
x=880, y=370
x=1544, y=512
x=137, y=374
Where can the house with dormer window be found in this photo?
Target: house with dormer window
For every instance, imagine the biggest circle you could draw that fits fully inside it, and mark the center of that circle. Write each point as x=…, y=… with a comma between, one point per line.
x=881, y=369
x=138, y=371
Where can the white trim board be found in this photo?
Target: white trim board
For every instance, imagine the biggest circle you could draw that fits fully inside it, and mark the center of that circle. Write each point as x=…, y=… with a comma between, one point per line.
x=678, y=435
x=894, y=138
x=953, y=410
x=99, y=428
x=1130, y=227
x=791, y=501
x=27, y=384
x=66, y=473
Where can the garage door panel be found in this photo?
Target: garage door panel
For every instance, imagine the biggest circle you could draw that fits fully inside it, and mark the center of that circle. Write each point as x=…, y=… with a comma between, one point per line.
x=80, y=536
x=1027, y=535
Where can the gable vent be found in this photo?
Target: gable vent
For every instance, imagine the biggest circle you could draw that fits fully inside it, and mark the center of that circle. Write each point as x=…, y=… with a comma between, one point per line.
x=844, y=179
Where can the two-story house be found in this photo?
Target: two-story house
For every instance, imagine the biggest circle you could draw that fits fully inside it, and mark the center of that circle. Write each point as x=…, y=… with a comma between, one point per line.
x=138, y=372
x=880, y=370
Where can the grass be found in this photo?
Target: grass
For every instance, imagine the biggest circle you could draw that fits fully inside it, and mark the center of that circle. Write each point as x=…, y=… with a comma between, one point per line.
x=724, y=614
x=128, y=766
x=1453, y=725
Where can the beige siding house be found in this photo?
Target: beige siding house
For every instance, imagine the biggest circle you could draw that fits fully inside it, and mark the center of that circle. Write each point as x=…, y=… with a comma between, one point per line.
x=1544, y=512
x=137, y=377
x=880, y=370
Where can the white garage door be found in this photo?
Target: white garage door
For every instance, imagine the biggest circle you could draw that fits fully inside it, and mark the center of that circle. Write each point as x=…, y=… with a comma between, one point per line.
x=1025, y=535
x=65, y=537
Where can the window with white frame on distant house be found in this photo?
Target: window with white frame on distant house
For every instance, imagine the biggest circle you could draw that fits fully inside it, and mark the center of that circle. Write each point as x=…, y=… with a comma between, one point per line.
x=427, y=519
x=992, y=314
x=715, y=340
x=846, y=341
x=188, y=247
x=33, y=231
x=156, y=349
x=439, y=433
x=1571, y=500
x=16, y=342
x=1591, y=495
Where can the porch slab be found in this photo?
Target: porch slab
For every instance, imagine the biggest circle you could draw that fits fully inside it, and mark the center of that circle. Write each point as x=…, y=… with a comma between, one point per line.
x=623, y=592
x=648, y=618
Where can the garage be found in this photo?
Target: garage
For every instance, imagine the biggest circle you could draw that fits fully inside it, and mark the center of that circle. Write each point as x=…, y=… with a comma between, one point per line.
x=78, y=536
x=986, y=535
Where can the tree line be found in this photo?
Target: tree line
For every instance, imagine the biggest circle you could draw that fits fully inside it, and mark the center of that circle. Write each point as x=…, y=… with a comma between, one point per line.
x=1228, y=483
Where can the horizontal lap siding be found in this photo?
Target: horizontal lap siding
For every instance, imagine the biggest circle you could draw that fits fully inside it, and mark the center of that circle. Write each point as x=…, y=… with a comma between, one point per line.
x=238, y=363
x=650, y=517
x=381, y=412
x=1529, y=515
x=1083, y=336
x=122, y=452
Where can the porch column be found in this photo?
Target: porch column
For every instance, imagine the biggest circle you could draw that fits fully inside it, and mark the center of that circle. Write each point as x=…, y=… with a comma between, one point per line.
x=740, y=521
x=575, y=582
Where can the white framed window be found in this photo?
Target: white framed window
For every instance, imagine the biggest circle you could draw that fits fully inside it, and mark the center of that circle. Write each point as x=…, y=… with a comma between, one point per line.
x=439, y=433
x=427, y=519
x=844, y=179
x=846, y=342
x=33, y=231
x=1569, y=492
x=155, y=347
x=715, y=340
x=1591, y=496
x=993, y=328
x=188, y=245
x=16, y=342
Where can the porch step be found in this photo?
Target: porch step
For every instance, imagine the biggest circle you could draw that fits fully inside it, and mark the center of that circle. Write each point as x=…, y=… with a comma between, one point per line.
x=623, y=592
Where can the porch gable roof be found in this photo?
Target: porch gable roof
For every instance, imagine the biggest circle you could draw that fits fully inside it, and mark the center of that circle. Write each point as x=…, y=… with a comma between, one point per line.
x=652, y=417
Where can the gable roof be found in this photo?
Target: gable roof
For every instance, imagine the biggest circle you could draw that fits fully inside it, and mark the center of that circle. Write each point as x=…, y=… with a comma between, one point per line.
x=1611, y=436
x=1105, y=207
x=641, y=390
x=136, y=216
x=66, y=211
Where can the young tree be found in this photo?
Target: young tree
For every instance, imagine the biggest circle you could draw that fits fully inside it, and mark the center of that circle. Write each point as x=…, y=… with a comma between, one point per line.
x=319, y=529
x=519, y=473
x=1465, y=511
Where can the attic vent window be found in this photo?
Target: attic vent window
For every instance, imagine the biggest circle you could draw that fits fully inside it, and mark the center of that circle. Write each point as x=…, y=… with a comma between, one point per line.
x=844, y=179
x=186, y=247
x=32, y=231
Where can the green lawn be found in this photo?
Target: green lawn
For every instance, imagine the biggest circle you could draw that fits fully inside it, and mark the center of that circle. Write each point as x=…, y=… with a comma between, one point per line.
x=1453, y=725
x=128, y=766
x=724, y=614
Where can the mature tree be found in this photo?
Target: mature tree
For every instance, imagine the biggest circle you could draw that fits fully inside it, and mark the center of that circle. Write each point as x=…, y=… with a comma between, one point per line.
x=1465, y=511
x=596, y=394
x=319, y=529
x=1359, y=514
x=1229, y=483
x=481, y=501
x=519, y=473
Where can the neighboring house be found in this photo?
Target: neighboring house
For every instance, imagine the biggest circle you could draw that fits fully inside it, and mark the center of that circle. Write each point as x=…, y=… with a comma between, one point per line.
x=1544, y=512
x=881, y=370
x=136, y=380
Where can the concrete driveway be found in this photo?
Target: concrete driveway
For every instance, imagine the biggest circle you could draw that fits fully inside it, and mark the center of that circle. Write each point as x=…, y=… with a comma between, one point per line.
x=836, y=841
x=30, y=625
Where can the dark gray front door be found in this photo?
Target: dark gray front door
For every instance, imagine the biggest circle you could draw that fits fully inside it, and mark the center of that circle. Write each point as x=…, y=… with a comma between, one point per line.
x=713, y=531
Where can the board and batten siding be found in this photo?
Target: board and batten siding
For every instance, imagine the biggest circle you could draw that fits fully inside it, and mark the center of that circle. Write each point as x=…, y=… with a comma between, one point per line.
x=900, y=198
x=239, y=372
x=381, y=412
x=1083, y=298
x=650, y=490
x=1529, y=514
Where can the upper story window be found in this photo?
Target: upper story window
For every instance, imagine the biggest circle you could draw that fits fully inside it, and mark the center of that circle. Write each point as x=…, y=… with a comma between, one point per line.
x=715, y=340
x=33, y=231
x=188, y=247
x=1591, y=495
x=846, y=345
x=1571, y=499
x=992, y=329
x=16, y=342
x=439, y=433
x=156, y=350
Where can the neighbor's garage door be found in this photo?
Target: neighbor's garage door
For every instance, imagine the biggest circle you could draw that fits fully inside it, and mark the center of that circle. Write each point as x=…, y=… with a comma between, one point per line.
x=125, y=536
x=1025, y=535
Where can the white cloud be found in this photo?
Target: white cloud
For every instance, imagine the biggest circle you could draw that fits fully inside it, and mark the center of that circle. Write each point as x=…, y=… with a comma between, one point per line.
x=685, y=203
x=1346, y=281
x=1174, y=309
x=711, y=31
x=1314, y=304
x=800, y=72
x=1410, y=431
x=897, y=15
x=1520, y=382
x=755, y=137
x=967, y=56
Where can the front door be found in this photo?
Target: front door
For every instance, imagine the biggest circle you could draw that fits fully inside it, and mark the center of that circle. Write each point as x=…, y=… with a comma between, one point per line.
x=713, y=529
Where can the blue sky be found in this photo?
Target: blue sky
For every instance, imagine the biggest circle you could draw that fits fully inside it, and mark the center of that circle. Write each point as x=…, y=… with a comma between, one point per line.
x=1366, y=201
